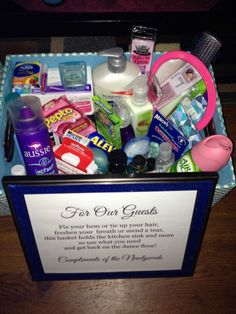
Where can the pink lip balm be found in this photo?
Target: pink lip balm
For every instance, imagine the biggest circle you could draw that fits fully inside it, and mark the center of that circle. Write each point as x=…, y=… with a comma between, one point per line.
x=211, y=154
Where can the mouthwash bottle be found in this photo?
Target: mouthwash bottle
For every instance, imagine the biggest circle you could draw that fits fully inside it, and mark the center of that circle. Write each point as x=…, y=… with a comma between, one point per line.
x=32, y=135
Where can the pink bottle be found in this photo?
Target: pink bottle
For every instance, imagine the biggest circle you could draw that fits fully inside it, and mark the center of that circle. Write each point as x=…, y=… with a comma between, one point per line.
x=211, y=154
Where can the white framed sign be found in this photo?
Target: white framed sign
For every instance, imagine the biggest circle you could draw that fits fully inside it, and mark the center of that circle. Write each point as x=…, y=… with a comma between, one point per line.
x=102, y=227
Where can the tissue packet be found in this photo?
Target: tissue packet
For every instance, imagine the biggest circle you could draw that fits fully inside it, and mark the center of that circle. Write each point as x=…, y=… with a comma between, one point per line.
x=182, y=121
x=195, y=107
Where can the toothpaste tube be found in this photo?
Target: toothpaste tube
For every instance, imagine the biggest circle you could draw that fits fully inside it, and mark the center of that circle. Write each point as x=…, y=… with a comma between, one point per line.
x=74, y=158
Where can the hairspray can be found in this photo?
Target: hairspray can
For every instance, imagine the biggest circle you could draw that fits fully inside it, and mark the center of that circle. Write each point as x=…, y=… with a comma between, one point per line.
x=32, y=135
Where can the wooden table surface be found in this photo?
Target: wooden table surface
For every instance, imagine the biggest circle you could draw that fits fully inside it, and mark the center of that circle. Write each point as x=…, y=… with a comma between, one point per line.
x=212, y=288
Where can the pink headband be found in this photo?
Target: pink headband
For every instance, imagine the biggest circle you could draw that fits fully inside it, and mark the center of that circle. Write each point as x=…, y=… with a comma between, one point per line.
x=205, y=74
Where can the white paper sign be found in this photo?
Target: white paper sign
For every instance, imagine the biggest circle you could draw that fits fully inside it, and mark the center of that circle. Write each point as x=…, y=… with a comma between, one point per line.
x=111, y=231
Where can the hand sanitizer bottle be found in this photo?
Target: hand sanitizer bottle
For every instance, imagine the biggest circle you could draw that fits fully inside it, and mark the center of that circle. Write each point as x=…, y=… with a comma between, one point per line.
x=165, y=158
x=111, y=77
x=141, y=110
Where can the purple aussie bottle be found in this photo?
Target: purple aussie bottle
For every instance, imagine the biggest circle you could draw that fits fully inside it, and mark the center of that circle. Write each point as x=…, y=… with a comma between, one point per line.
x=32, y=135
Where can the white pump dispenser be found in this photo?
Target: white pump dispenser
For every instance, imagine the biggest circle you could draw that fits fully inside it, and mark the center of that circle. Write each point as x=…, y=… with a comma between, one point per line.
x=111, y=77
x=141, y=110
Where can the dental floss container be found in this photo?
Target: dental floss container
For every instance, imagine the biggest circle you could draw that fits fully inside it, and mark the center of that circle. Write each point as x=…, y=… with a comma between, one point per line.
x=111, y=77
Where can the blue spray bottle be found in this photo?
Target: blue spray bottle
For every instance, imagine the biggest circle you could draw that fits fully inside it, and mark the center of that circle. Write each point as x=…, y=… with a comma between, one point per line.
x=32, y=135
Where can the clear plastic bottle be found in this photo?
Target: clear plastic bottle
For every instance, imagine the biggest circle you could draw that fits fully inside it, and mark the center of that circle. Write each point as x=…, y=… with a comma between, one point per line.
x=141, y=110
x=32, y=135
x=165, y=158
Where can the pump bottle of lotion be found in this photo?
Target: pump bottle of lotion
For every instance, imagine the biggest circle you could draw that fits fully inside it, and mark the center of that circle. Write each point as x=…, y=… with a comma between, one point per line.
x=211, y=154
x=32, y=135
x=111, y=77
x=141, y=110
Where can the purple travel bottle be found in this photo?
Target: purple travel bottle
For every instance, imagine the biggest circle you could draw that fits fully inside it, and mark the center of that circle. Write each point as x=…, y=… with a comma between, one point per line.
x=32, y=135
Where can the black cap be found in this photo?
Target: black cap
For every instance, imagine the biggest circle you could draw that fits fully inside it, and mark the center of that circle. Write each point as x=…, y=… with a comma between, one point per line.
x=117, y=161
x=151, y=162
x=138, y=163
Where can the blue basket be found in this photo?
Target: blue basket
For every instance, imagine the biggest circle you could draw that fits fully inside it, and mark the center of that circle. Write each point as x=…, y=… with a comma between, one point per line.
x=226, y=180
